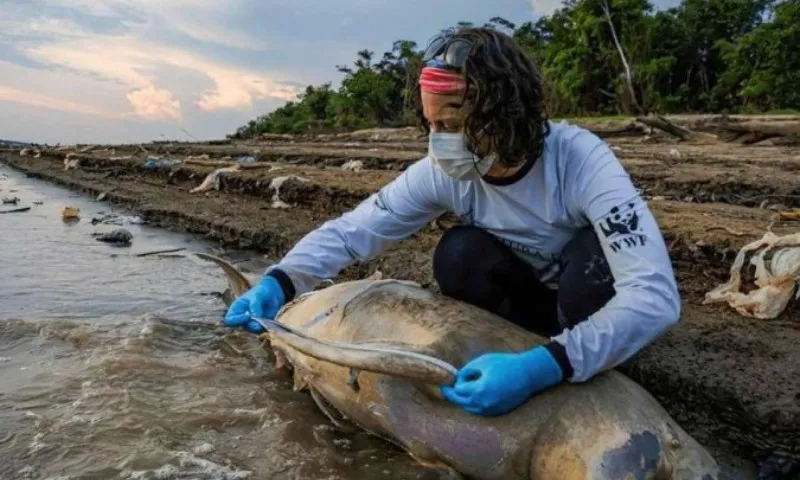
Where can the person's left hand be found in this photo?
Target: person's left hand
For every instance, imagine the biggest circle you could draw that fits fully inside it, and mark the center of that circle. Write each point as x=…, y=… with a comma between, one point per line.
x=496, y=383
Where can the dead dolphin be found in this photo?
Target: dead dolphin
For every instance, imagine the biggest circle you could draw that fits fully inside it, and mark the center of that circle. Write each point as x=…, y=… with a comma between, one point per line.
x=606, y=428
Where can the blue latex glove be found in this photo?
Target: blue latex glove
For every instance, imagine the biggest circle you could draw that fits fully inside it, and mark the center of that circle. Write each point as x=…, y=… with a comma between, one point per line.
x=496, y=383
x=263, y=300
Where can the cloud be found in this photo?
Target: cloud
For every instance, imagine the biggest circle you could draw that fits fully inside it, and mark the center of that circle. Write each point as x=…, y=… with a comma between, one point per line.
x=212, y=33
x=134, y=63
x=234, y=90
x=546, y=7
x=33, y=99
x=41, y=27
x=141, y=49
x=197, y=19
x=105, y=8
x=140, y=69
x=155, y=104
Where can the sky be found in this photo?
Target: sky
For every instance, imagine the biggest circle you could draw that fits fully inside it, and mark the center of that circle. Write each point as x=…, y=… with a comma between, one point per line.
x=124, y=71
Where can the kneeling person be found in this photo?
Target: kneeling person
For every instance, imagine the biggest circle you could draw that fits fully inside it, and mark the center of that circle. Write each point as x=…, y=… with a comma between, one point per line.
x=557, y=239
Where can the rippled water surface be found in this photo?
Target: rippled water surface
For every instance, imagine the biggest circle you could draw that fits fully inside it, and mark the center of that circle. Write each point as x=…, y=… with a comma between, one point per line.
x=113, y=366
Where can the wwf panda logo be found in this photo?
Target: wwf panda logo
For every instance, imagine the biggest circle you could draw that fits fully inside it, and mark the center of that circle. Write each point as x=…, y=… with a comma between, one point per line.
x=620, y=222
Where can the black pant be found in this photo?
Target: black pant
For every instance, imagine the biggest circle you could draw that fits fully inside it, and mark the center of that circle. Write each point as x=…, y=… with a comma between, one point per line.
x=472, y=265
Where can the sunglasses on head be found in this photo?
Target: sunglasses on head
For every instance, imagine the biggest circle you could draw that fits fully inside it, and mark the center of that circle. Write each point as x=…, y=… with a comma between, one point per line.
x=444, y=52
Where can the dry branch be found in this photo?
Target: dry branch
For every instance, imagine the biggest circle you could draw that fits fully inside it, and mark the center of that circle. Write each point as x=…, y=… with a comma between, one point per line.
x=661, y=123
x=628, y=73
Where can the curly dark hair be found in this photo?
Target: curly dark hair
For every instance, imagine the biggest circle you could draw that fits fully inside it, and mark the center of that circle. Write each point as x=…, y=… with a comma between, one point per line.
x=505, y=97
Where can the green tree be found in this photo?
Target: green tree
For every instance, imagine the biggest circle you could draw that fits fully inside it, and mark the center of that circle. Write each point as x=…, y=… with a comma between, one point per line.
x=763, y=65
x=703, y=55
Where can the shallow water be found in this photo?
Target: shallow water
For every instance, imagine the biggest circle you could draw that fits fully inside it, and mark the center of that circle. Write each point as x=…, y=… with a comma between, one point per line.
x=114, y=366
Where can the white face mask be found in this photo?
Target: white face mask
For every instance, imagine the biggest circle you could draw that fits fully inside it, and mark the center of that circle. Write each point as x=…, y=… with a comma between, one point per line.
x=449, y=153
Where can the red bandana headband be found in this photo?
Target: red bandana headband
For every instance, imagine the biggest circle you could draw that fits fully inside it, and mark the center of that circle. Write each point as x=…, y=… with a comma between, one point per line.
x=437, y=80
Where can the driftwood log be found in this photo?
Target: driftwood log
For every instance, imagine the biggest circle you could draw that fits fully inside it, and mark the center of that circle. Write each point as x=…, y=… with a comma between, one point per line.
x=661, y=123
x=784, y=132
x=749, y=132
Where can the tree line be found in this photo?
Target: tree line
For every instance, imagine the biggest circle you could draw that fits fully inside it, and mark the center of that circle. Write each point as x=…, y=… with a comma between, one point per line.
x=598, y=57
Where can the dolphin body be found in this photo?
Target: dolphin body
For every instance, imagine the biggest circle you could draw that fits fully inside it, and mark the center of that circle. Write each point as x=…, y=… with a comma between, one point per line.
x=373, y=352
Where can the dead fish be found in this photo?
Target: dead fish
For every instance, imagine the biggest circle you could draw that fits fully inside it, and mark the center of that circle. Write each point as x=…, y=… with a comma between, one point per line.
x=118, y=236
x=212, y=180
x=606, y=428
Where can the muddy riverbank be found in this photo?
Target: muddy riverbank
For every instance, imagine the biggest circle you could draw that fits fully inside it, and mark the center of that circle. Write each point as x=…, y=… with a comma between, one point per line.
x=731, y=381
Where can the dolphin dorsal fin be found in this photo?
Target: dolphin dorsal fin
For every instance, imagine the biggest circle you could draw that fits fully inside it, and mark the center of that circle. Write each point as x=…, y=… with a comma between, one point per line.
x=237, y=281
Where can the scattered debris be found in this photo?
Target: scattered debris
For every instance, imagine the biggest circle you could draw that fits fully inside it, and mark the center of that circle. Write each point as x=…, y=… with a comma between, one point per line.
x=213, y=178
x=10, y=200
x=118, y=236
x=353, y=166
x=376, y=275
x=114, y=219
x=727, y=229
x=276, y=183
x=70, y=213
x=87, y=149
x=15, y=210
x=71, y=162
x=776, y=283
x=155, y=163
x=246, y=159
x=674, y=153
x=790, y=215
x=159, y=252
x=102, y=196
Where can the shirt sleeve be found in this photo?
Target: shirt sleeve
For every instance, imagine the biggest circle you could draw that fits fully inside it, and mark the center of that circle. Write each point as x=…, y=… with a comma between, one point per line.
x=395, y=212
x=647, y=301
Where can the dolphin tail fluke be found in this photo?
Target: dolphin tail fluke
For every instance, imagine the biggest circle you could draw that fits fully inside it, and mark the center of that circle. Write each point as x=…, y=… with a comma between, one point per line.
x=237, y=282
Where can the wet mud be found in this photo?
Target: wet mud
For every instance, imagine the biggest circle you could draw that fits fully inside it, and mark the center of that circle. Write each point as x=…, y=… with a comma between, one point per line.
x=732, y=382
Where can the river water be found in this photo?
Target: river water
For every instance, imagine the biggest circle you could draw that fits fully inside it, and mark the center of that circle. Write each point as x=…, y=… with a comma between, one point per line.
x=114, y=366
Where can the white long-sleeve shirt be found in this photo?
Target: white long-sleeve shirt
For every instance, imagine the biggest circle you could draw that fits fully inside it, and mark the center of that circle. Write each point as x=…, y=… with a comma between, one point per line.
x=577, y=182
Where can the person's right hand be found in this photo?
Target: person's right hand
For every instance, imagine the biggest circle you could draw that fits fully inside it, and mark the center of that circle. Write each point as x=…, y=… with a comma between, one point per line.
x=263, y=301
